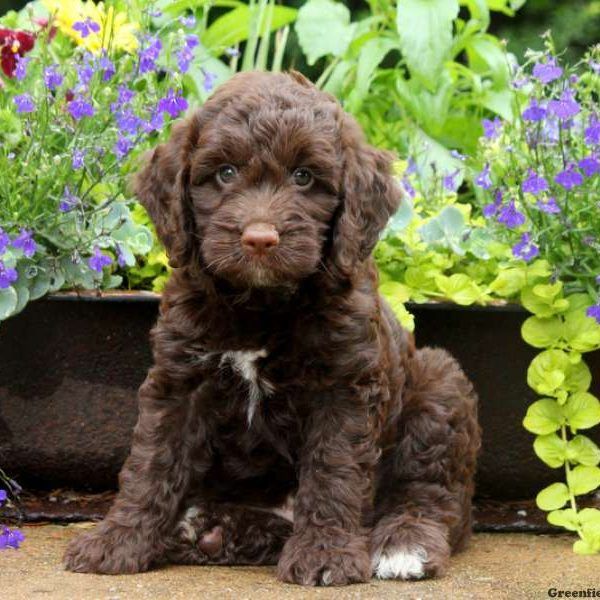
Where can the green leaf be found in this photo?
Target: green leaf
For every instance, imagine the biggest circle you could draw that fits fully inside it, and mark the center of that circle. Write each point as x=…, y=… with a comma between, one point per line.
x=323, y=28
x=547, y=371
x=583, y=479
x=542, y=333
x=582, y=411
x=234, y=26
x=488, y=57
x=459, y=288
x=551, y=449
x=581, y=332
x=553, y=497
x=587, y=546
x=578, y=377
x=582, y=450
x=509, y=281
x=8, y=302
x=425, y=32
x=543, y=417
x=447, y=228
x=590, y=520
x=566, y=518
x=544, y=300
x=372, y=52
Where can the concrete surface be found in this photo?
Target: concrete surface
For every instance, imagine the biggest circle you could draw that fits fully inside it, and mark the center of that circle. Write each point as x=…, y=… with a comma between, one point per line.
x=511, y=566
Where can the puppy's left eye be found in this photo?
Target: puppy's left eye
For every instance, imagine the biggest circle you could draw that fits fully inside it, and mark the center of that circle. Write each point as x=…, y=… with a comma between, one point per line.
x=302, y=177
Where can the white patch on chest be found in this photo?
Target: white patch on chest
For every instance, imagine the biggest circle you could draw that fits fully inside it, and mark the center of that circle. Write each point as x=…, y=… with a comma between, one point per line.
x=244, y=363
x=186, y=527
x=400, y=563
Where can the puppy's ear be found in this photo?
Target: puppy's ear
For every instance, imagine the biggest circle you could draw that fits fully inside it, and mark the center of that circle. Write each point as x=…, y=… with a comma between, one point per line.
x=369, y=197
x=161, y=186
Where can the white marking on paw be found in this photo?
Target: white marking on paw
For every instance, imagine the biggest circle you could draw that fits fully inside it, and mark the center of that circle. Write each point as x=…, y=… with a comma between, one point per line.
x=400, y=563
x=326, y=577
x=244, y=363
x=286, y=510
x=188, y=531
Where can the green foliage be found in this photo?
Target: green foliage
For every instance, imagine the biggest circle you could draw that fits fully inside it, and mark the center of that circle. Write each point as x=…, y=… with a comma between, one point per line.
x=416, y=75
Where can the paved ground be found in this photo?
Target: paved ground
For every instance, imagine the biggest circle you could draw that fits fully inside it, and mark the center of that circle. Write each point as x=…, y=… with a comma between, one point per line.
x=511, y=566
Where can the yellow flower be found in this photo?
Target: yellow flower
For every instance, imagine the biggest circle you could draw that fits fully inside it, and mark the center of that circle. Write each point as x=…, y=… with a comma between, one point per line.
x=115, y=31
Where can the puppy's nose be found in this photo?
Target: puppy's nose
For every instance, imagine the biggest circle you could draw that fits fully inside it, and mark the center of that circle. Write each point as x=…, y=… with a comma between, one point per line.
x=259, y=238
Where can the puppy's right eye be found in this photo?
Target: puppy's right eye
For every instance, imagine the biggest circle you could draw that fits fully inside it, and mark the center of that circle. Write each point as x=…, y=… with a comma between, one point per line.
x=226, y=174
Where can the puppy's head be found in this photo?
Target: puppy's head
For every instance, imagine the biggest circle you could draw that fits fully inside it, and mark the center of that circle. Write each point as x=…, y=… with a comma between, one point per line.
x=269, y=182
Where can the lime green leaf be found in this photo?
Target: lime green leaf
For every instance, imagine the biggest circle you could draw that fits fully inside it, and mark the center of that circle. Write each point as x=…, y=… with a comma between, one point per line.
x=542, y=333
x=547, y=371
x=586, y=546
x=581, y=332
x=553, y=497
x=550, y=449
x=393, y=290
x=544, y=300
x=459, y=288
x=323, y=28
x=566, y=518
x=543, y=417
x=582, y=410
x=425, y=31
x=509, y=282
x=578, y=377
x=583, y=479
x=590, y=520
x=582, y=450
x=401, y=218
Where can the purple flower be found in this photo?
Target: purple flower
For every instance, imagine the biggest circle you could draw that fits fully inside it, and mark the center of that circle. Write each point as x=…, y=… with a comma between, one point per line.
x=510, y=216
x=184, y=59
x=534, y=112
x=4, y=240
x=592, y=133
x=566, y=107
x=191, y=41
x=25, y=242
x=491, y=129
x=149, y=55
x=124, y=96
x=491, y=209
x=3, y=497
x=233, y=52
x=52, y=78
x=534, y=184
x=68, y=201
x=590, y=165
x=548, y=71
x=128, y=122
x=172, y=103
x=107, y=66
x=594, y=312
x=24, y=103
x=10, y=538
x=121, y=260
x=85, y=28
x=548, y=206
x=450, y=182
x=188, y=22
x=78, y=159
x=155, y=123
x=525, y=249
x=79, y=108
x=408, y=188
x=85, y=72
x=483, y=179
x=569, y=178
x=122, y=147
x=8, y=276
x=21, y=68
x=98, y=261
x=209, y=80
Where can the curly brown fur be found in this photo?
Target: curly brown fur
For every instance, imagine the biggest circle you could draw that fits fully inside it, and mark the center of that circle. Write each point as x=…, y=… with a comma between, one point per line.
x=283, y=389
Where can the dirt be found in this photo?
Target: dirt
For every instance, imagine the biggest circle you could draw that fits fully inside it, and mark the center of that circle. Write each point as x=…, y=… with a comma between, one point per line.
x=496, y=566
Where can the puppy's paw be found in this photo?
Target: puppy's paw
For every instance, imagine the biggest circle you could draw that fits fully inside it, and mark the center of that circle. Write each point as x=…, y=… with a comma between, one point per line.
x=108, y=549
x=324, y=557
x=403, y=547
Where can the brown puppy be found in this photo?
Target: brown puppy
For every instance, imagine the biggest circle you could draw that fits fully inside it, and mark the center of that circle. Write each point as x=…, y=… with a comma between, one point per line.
x=288, y=418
